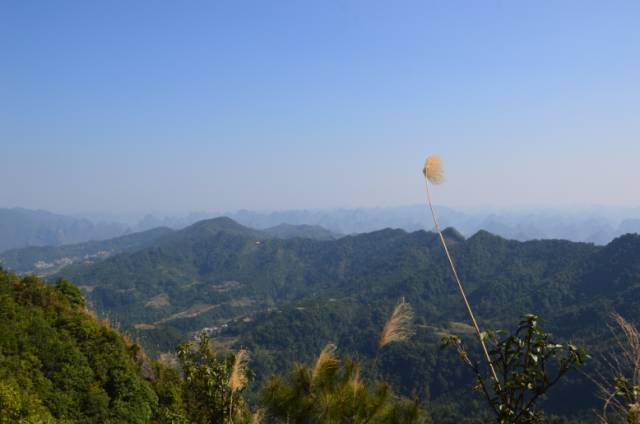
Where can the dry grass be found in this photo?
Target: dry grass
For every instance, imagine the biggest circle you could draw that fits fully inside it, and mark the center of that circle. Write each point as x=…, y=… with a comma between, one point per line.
x=460, y=327
x=224, y=343
x=191, y=312
x=355, y=382
x=623, y=362
x=434, y=174
x=87, y=289
x=158, y=301
x=239, y=379
x=168, y=359
x=227, y=286
x=327, y=361
x=433, y=170
x=399, y=327
x=241, y=302
x=258, y=417
x=144, y=326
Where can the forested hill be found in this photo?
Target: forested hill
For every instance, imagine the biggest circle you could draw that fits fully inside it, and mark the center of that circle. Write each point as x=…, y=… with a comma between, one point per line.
x=217, y=269
x=58, y=364
x=45, y=260
x=285, y=298
x=224, y=269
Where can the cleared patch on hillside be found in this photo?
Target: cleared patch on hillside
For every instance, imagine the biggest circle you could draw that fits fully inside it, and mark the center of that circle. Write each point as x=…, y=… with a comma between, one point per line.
x=143, y=326
x=223, y=343
x=227, y=286
x=87, y=289
x=158, y=301
x=242, y=301
x=193, y=311
x=460, y=327
x=452, y=327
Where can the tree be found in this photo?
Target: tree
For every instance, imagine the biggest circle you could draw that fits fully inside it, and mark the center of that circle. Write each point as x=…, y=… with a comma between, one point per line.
x=213, y=388
x=71, y=292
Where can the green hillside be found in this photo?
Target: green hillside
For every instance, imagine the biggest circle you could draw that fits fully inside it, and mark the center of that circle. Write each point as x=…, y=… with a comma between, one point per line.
x=287, y=231
x=44, y=260
x=58, y=364
x=285, y=299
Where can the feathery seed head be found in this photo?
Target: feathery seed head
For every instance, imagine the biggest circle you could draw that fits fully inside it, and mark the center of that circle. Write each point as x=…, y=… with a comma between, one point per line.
x=238, y=379
x=354, y=381
x=326, y=361
x=257, y=417
x=399, y=327
x=433, y=169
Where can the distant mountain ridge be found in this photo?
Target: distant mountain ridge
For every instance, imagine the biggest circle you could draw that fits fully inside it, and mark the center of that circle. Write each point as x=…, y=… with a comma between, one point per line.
x=315, y=232
x=24, y=227
x=596, y=225
x=46, y=260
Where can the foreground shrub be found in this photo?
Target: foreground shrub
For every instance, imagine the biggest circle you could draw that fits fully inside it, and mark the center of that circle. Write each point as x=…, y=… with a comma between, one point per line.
x=529, y=363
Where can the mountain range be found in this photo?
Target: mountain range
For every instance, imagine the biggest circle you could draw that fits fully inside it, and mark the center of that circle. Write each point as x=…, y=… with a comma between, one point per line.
x=23, y=228
x=285, y=298
x=47, y=260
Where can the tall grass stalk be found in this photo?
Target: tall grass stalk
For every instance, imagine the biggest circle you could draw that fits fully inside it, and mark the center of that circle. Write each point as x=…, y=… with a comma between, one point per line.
x=433, y=173
x=238, y=379
x=327, y=361
x=619, y=385
x=399, y=327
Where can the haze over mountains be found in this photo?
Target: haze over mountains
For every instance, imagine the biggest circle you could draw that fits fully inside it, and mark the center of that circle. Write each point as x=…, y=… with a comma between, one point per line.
x=23, y=227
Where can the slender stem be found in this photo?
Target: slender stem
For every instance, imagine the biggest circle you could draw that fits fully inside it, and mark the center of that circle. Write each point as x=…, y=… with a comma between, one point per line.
x=464, y=296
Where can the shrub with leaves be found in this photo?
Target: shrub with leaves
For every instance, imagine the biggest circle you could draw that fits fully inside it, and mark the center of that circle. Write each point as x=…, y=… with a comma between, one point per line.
x=213, y=388
x=528, y=364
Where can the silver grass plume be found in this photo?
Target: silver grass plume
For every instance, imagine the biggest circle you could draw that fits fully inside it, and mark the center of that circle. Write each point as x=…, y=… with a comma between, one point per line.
x=433, y=173
x=238, y=379
x=327, y=360
x=399, y=327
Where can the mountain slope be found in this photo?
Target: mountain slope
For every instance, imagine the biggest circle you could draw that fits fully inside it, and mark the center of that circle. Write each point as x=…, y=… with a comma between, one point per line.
x=44, y=260
x=58, y=364
x=284, y=299
x=287, y=231
x=230, y=270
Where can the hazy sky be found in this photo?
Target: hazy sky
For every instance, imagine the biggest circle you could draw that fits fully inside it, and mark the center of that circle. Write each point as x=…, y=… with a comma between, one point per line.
x=185, y=105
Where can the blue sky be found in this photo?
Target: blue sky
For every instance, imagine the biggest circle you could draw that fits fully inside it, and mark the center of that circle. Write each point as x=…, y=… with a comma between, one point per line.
x=182, y=106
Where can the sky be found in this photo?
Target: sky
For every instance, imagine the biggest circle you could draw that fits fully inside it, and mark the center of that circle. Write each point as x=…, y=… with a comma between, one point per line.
x=132, y=107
